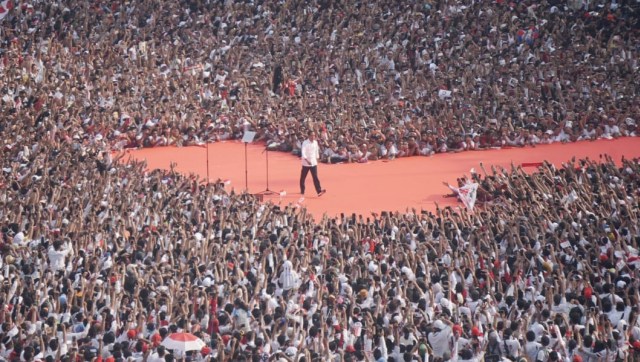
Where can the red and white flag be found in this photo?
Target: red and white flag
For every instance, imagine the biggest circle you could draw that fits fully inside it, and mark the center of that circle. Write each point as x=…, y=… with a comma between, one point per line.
x=633, y=260
x=5, y=6
x=467, y=194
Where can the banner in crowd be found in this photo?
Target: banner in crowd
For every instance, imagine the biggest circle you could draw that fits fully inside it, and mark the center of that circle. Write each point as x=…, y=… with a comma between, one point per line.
x=467, y=194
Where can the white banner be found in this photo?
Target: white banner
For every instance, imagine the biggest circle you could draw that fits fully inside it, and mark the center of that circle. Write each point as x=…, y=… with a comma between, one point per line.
x=468, y=194
x=443, y=93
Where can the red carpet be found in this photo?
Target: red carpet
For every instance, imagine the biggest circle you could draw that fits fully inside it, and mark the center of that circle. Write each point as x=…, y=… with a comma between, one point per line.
x=414, y=182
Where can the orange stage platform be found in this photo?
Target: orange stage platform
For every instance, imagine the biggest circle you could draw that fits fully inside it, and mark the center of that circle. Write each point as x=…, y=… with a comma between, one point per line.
x=396, y=185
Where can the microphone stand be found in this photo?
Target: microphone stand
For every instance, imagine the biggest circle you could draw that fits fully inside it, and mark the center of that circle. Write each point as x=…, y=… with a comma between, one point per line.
x=267, y=191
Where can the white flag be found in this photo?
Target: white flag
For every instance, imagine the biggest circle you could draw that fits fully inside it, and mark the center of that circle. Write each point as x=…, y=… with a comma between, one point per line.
x=443, y=93
x=468, y=194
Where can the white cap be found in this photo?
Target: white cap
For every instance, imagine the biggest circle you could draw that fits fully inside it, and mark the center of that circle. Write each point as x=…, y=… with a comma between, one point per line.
x=445, y=303
x=438, y=324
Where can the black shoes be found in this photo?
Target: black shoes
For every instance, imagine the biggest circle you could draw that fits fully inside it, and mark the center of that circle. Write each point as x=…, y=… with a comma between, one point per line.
x=322, y=192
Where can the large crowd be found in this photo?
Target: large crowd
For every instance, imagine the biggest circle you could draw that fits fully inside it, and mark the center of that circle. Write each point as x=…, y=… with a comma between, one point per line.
x=374, y=79
x=102, y=258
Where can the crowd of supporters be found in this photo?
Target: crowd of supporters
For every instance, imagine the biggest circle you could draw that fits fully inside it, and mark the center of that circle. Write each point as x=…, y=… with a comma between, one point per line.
x=103, y=258
x=374, y=79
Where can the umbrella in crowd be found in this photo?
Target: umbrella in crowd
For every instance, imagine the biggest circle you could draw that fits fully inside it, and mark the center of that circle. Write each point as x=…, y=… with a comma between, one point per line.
x=183, y=342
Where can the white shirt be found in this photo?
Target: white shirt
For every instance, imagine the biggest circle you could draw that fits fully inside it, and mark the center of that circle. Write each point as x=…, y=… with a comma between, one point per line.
x=615, y=316
x=512, y=345
x=328, y=153
x=155, y=358
x=441, y=341
x=562, y=308
x=310, y=153
x=531, y=350
x=56, y=258
x=612, y=130
x=392, y=151
x=242, y=321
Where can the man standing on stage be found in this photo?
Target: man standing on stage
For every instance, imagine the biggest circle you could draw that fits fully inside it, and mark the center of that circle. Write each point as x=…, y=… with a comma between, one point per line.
x=310, y=154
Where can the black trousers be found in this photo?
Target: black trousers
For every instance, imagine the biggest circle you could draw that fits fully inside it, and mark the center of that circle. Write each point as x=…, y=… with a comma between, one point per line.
x=314, y=175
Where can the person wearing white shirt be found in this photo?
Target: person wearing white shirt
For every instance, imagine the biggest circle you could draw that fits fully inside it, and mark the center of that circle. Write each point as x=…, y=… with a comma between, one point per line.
x=509, y=345
x=157, y=356
x=560, y=305
x=310, y=153
x=617, y=314
x=589, y=133
x=57, y=254
x=564, y=135
x=441, y=339
x=611, y=129
x=532, y=347
x=389, y=150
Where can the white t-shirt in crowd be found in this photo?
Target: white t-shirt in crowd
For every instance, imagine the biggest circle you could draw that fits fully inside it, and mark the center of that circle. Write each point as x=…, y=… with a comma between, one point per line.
x=56, y=257
x=441, y=341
